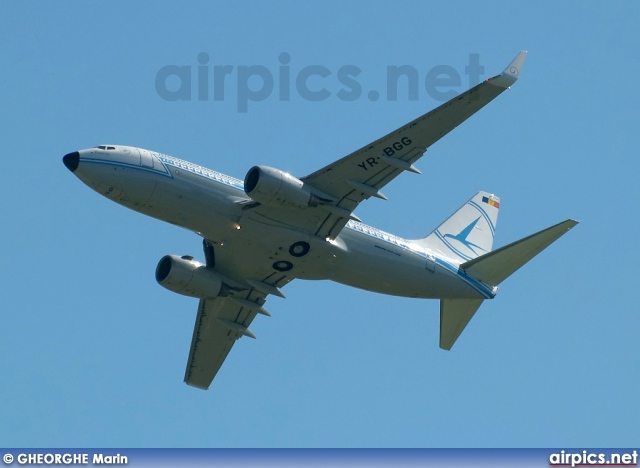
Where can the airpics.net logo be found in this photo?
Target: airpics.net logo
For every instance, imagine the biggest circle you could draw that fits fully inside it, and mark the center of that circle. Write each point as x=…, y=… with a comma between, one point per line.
x=287, y=79
x=588, y=458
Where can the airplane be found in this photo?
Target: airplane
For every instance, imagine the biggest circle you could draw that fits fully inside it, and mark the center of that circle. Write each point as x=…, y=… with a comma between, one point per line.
x=261, y=233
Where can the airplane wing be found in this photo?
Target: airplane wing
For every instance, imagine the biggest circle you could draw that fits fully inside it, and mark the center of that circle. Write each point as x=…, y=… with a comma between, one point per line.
x=364, y=172
x=219, y=323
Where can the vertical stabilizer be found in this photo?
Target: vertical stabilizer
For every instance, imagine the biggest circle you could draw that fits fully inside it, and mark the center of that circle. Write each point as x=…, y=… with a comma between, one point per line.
x=469, y=232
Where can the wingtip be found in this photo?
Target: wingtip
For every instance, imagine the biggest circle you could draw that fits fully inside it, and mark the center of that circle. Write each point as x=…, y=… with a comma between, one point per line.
x=516, y=64
x=512, y=72
x=572, y=223
x=196, y=385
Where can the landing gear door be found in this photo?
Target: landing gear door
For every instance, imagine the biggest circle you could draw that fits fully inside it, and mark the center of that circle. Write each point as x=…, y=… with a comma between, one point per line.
x=146, y=160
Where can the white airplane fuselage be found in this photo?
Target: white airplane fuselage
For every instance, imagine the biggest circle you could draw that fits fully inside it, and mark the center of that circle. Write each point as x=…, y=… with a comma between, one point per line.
x=213, y=206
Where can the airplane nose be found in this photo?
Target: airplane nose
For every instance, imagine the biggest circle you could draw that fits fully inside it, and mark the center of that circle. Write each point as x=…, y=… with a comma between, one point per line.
x=71, y=160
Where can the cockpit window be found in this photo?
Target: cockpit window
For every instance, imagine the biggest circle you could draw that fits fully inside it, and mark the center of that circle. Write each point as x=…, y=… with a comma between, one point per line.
x=102, y=147
x=111, y=147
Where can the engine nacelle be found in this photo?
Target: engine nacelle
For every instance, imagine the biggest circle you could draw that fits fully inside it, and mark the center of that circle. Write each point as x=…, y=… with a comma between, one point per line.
x=185, y=276
x=271, y=186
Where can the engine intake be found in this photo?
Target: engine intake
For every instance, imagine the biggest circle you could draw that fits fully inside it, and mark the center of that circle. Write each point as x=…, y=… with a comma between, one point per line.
x=271, y=186
x=185, y=276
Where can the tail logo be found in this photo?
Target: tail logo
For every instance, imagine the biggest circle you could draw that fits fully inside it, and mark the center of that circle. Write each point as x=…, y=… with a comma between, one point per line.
x=462, y=237
x=468, y=233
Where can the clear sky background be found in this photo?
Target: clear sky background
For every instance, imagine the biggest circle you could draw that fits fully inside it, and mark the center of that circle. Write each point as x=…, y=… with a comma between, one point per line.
x=93, y=351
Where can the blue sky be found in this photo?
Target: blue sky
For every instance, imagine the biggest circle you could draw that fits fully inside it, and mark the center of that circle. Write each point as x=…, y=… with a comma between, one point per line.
x=93, y=350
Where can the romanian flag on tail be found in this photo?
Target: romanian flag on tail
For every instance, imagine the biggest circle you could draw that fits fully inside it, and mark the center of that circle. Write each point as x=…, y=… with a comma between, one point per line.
x=491, y=201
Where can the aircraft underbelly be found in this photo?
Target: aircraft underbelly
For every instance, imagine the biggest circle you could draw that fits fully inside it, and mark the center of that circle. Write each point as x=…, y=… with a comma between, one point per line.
x=275, y=250
x=393, y=270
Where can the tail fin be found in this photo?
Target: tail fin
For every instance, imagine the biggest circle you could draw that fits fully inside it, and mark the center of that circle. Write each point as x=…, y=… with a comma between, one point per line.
x=469, y=232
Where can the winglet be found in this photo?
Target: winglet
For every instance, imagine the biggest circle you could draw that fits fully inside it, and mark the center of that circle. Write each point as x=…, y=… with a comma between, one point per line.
x=511, y=73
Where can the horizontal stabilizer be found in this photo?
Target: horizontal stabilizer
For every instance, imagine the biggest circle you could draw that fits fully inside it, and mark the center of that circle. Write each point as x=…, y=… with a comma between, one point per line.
x=454, y=317
x=494, y=267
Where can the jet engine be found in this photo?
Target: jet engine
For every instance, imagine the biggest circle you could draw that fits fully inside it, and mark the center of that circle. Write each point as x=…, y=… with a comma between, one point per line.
x=271, y=186
x=185, y=276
